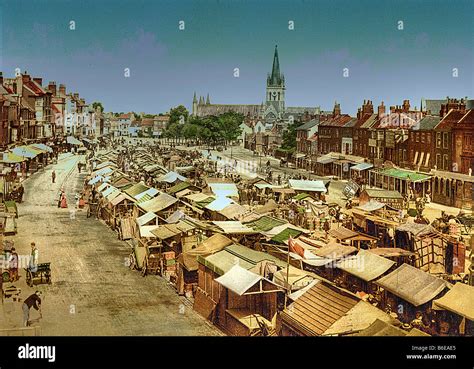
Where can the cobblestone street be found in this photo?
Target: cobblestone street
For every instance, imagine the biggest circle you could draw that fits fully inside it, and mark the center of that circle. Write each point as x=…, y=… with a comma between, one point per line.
x=93, y=291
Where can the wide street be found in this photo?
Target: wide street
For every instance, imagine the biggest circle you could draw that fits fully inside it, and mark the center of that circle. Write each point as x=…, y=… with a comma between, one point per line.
x=93, y=290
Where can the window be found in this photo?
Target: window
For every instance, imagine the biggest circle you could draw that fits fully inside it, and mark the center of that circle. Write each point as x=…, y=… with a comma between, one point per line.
x=438, y=139
x=423, y=137
x=404, y=154
x=438, y=161
x=445, y=140
x=428, y=138
x=417, y=137
x=445, y=162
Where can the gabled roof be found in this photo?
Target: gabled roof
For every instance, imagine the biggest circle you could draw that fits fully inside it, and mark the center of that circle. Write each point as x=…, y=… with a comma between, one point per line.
x=314, y=312
x=379, y=193
x=158, y=203
x=450, y=119
x=459, y=300
x=412, y=285
x=339, y=121
x=308, y=125
x=427, y=123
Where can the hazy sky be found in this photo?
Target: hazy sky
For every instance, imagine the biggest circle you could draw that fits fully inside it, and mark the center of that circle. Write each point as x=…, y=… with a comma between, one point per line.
x=167, y=64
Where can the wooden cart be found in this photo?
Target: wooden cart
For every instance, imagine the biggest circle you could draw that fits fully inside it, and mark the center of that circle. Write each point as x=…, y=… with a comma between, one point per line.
x=42, y=274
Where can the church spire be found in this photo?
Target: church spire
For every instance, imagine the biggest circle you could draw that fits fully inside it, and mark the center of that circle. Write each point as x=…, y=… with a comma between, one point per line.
x=275, y=77
x=194, y=98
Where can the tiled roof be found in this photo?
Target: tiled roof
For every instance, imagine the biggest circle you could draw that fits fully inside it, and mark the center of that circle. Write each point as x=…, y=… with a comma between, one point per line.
x=427, y=123
x=451, y=119
x=338, y=121
x=308, y=125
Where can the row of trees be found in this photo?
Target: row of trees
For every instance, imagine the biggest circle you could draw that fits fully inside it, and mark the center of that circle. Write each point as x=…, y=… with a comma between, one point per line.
x=211, y=130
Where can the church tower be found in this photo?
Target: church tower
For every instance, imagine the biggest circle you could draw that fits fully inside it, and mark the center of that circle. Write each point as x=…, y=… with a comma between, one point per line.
x=275, y=99
x=195, y=103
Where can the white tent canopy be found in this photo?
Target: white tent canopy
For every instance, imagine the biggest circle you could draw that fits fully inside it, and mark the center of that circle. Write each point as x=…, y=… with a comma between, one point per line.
x=239, y=280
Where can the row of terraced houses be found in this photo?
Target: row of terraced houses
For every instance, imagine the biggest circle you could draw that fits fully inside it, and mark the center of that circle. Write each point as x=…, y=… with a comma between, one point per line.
x=395, y=148
x=31, y=111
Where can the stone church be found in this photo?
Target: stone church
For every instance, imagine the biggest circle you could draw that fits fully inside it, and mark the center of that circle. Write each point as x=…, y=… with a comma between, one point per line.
x=272, y=111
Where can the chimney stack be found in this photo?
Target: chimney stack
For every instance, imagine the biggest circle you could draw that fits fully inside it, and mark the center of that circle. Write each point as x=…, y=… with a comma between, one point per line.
x=442, y=111
x=62, y=90
x=381, y=110
x=25, y=77
x=38, y=80
x=1, y=78
x=52, y=87
x=406, y=106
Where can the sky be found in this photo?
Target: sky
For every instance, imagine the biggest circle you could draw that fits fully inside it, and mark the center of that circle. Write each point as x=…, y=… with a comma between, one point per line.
x=167, y=65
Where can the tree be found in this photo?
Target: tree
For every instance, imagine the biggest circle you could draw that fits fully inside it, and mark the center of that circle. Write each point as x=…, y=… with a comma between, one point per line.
x=289, y=136
x=96, y=104
x=177, y=113
x=229, y=125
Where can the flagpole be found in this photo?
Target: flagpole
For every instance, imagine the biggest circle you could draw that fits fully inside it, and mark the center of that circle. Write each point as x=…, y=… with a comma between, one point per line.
x=288, y=272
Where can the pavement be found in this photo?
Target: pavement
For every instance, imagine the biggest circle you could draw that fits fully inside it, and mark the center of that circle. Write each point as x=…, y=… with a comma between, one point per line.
x=93, y=292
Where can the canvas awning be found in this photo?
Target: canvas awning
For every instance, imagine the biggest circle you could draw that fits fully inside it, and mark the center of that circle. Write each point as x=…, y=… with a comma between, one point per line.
x=372, y=205
x=106, y=192
x=171, y=177
x=118, y=199
x=362, y=166
x=213, y=244
x=73, y=141
x=95, y=180
x=294, y=278
x=103, y=171
x=11, y=158
x=405, y=175
x=233, y=227
x=103, y=186
x=307, y=186
x=158, y=203
x=224, y=189
x=43, y=147
x=325, y=160
x=26, y=152
x=240, y=280
x=412, y=285
x=233, y=211
x=219, y=204
x=365, y=265
x=146, y=231
x=459, y=300
x=334, y=251
x=146, y=218
x=358, y=318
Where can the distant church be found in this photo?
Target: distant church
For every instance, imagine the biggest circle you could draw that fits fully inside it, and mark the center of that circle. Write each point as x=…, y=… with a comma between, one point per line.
x=273, y=110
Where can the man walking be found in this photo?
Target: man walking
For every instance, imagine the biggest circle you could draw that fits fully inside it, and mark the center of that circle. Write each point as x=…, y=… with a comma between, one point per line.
x=53, y=176
x=13, y=265
x=34, y=258
x=32, y=301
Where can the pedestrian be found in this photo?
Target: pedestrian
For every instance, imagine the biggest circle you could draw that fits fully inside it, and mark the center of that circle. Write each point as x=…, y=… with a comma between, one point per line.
x=34, y=257
x=53, y=176
x=13, y=265
x=32, y=301
x=63, y=200
x=79, y=167
x=21, y=191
